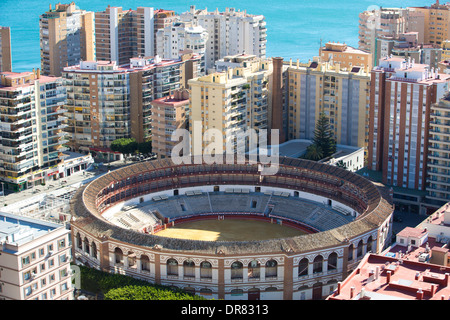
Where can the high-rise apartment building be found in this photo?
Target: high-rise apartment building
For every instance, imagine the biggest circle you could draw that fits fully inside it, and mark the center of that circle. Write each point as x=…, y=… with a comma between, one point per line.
x=106, y=102
x=123, y=34
x=436, y=19
x=174, y=39
x=346, y=56
x=406, y=45
x=402, y=93
x=380, y=22
x=438, y=166
x=230, y=102
x=168, y=114
x=32, y=123
x=36, y=256
x=230, y=33
x=5, y=49
x=341, y=94
x=67, y=36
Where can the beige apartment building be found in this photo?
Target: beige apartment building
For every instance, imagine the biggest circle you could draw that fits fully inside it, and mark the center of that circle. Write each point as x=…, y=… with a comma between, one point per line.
x=5, y=49
x=346, y=56
x=35, y=259
x=168, y=114
x=323, y=87
x=67, y=36
x=436, y=19
x=106, y=102
x=231, y=101
x=380, y=22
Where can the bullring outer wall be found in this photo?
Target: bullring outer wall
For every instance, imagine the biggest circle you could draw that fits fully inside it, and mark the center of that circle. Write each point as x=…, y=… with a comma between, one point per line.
x=326, y=257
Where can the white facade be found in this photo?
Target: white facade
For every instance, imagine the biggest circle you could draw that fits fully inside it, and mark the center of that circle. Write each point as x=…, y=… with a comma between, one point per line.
x=180, y=36
x=35, y=259
x=230, y=32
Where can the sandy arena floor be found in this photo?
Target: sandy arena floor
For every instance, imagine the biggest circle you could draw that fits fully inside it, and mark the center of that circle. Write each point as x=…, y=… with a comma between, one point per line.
x=229, y=230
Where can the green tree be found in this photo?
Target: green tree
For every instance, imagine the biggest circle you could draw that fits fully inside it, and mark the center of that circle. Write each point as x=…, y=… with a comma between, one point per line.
x=323, y=136
x=124, y=146
x=314, y=152
x=145, y=147
x=136, y=292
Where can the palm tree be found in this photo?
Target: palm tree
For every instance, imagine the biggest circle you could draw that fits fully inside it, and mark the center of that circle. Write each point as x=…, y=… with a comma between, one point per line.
x=314, y=152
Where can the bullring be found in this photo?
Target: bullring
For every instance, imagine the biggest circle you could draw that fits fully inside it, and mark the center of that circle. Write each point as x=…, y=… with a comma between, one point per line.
x=302, y=194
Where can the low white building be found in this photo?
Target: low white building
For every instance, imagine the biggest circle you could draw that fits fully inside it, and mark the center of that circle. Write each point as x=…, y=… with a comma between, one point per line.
x=352, y=158
x=74, y=163
x=35, y=259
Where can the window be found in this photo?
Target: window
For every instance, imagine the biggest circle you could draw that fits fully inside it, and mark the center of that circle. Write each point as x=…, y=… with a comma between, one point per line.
x=205, y=270
x=254, y=269
x=25, y=260
x=303, y=267
x=61, y=244
x=271, y=268
x=28, y=291
x=236, y=270
x=172, y=267
x=318, y=264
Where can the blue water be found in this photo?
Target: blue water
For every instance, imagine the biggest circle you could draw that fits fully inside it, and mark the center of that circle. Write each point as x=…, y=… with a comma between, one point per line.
x=295, y=28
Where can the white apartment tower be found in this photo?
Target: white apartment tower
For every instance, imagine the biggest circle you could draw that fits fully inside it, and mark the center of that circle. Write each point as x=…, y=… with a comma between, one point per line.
x=231, y=32
x=35, y=259
x=174, y=39
x=31, y=122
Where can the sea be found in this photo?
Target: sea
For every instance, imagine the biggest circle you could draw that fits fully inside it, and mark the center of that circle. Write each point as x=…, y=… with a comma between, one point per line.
x=295, y=28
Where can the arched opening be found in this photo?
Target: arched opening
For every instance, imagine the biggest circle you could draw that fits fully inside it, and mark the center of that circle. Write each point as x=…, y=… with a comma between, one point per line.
x=118, y=256
x=369, y=244
x=332, y=261
x=189, y=290
x=205, y=292
x=236, y=270
x=145, y=263
x=205, y=270
x=94, y=250
x=237, y=292
x=254, y=270
x=79, y=243
x=350, y=252
x=189, y=269
x=172, y=267
x=318, y=264
x=317, y=291
x=360, y=249
x=253, y=294
x=303, y=290
x=86, y=245
x=271, y=269
x=303, y=267
x=131, y=259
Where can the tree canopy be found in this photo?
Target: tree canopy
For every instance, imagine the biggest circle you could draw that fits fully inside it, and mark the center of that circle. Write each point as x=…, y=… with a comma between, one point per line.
x=124, y=145
x=324, y=143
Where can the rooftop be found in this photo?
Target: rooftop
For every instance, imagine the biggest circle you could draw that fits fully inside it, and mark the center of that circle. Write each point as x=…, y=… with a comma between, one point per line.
x=380, y=277
x=18, y=230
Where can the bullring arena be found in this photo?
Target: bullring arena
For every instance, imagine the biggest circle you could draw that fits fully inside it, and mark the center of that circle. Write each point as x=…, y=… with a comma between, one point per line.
x=225, y=231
